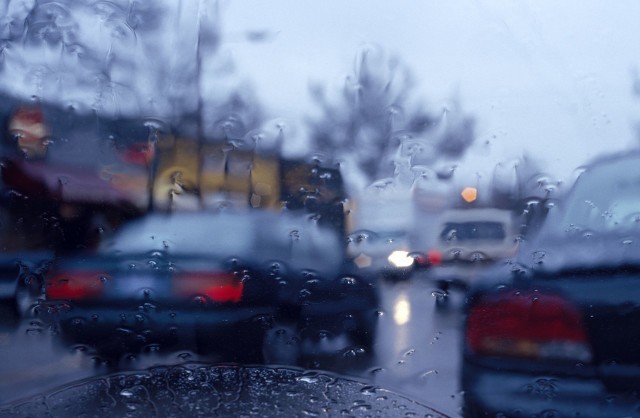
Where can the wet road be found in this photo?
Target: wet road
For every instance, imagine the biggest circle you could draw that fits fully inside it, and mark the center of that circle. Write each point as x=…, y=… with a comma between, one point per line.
x=417, y=351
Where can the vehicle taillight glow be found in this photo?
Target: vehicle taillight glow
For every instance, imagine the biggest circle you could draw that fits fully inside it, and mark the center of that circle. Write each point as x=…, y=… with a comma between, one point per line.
x=434, y=257
x=218, y=287
x=529, y=325
x=75, y=285
x=429, y=259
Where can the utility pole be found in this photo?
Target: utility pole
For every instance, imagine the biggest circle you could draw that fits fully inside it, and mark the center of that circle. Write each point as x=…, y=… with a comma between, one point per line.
x=200, y=106
x=206, y=42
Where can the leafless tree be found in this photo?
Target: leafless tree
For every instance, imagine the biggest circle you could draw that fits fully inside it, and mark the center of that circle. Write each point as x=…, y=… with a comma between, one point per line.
x=376, y=114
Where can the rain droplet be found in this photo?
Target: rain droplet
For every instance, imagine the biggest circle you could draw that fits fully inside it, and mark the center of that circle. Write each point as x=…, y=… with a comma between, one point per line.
x=200, y=300
x=126, y=393
x=34, y=331
x=368, y=390
x=440, y=295
x=378, y=370
x=538, y=256
x=428, y=373
x=354, y=352
x=348, y=280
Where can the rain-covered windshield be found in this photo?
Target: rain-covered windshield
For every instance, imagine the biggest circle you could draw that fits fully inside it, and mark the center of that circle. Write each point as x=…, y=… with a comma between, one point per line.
x=319, y=208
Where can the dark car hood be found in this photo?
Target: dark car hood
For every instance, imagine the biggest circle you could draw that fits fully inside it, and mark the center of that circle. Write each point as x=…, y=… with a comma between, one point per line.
x=552, y=256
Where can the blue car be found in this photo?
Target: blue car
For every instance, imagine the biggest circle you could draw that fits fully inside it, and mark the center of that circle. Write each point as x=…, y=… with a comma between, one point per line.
x=221, y=284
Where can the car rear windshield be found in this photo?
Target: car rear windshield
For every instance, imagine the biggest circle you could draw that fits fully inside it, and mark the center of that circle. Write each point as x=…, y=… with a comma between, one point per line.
x=469, y=231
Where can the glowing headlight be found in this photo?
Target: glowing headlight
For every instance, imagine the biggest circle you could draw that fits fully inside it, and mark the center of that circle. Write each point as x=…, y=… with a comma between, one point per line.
x=400, y=258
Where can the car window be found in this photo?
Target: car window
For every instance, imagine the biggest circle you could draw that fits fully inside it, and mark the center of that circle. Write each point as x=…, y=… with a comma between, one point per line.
x=287, y=208
x=614, y=207
x=472, y=231
x=183, y=235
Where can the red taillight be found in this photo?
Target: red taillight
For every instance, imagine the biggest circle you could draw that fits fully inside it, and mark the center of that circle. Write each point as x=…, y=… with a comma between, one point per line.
x=434, y=257
x=75, y=285
x=529, y=325
x=138, y=154
x=218, y=287
x=429, y=259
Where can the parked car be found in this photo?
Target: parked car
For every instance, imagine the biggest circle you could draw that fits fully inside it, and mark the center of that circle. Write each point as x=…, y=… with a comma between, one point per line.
x=555, y=332
x=219, y=283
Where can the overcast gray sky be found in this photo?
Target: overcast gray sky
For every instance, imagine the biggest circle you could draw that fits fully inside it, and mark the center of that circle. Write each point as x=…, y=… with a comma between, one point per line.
x=550, y=78
x=553, y=79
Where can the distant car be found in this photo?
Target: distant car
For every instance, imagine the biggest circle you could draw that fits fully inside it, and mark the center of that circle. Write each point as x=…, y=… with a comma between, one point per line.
x=465, y=241
x=555, y=332
x=385, y=254
x=218, y=282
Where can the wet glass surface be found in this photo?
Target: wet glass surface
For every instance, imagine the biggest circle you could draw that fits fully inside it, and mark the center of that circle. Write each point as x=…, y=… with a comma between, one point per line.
x=364, y=209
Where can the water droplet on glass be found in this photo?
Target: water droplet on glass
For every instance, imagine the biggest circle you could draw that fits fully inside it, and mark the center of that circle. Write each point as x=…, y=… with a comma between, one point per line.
x=34, y=331
x=126, y=393
x=378, y=370
x=348, y=280
x=428, y=374
x=308, y=379
x=368, y=390
x=440, y=295
x=200, y=300
x=354, y=352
